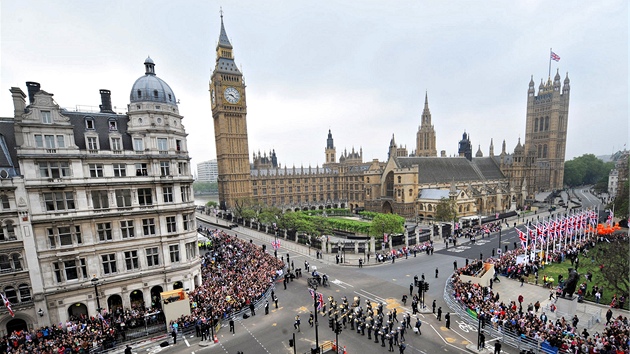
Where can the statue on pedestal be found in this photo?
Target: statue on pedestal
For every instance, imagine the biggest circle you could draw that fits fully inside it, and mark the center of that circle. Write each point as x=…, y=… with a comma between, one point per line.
x=571, y=283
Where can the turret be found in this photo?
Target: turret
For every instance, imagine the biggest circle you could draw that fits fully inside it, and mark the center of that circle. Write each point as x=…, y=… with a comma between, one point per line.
x=330, y=151
x=566, y=87
x=491, y=150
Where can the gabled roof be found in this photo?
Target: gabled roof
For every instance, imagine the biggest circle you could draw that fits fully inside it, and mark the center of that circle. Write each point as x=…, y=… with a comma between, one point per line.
x=452, y=169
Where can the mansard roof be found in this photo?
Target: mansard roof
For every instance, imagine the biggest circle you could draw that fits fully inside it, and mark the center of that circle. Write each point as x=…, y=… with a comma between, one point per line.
x=456, y=169
x=101, y=127
x=8, y=153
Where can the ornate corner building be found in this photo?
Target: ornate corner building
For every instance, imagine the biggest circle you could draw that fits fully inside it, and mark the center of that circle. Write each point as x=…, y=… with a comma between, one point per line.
x=99, y=205
x=409, y=184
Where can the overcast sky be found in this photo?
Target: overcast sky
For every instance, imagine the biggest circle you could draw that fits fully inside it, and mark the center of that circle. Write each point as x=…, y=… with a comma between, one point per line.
x=359, y=68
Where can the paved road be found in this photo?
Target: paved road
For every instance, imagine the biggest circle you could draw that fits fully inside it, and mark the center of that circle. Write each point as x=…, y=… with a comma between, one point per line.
x=385, y=282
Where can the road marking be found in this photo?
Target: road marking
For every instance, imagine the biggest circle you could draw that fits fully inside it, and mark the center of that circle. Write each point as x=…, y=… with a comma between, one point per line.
x=339, y=282
x=444, y=340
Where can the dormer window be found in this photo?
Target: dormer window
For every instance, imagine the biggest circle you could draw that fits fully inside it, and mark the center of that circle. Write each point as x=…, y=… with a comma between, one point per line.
x=155, y=93
x=89, y=123
x=113, y=125
x=169, y=97
x=46, y=117
x=139, y=94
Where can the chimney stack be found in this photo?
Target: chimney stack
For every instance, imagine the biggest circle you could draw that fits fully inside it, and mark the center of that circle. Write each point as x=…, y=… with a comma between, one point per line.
x=106, y=101
x=33, y=88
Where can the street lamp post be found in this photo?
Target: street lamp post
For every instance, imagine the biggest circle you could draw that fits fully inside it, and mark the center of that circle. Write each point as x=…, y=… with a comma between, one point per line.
x=316, y=323
x=98, y=301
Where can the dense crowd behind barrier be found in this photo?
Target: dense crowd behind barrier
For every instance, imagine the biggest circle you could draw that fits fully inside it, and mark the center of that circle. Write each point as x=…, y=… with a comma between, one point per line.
x=531, y=321
x=79, y=335
x=234, y=274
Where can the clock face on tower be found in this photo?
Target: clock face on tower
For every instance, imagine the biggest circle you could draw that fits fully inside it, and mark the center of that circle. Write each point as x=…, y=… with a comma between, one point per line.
x=232, y=95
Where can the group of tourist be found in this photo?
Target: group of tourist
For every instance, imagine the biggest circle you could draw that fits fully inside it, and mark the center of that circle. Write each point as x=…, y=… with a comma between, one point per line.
x=531, y=322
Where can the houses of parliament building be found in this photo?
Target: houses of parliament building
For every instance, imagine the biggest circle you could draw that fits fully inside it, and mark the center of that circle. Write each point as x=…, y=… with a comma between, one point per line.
x=410, y=184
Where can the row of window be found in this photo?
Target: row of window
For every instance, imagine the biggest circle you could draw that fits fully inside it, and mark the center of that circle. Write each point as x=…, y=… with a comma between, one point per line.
x=57, y=141
x=100, y=199
x=59, y=169
x=313, y=199
x=125, y=261
x=10, y=262
x=22, y=294
x=70, y=236
x=312, y=180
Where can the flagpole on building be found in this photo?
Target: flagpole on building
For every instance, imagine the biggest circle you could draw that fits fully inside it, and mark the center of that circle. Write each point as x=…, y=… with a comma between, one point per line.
x=550, y=51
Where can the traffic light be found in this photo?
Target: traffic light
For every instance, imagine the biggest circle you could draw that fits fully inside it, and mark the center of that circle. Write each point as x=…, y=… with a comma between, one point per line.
x=426, y=286
x=338, y=327
x=330, y=323
x=291, y=343
x=421, y=286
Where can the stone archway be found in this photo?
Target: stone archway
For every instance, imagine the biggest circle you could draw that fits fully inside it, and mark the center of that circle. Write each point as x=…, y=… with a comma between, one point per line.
x=77, y=310
x=155, y=296
x=136, y=298
x=114, y=302
x=16, y=324
x=387, y=208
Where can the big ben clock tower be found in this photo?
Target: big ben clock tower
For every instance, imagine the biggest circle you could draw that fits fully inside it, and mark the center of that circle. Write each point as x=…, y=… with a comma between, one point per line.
x=229, y=112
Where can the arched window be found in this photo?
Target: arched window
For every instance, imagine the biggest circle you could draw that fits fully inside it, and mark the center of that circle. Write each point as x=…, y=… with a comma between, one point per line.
x=398, y=192
x=10, y=293
x=389, y=185
x=421, y=206
x=25, y=292
x=460, y=209
x=399, y=179
x=410, y=192
x=539, y=148
x=536, y=125
x=545, y=151
x=468, y=207
x=155, y=93
x=430, y=207
x=546, y=123
x=367, y=180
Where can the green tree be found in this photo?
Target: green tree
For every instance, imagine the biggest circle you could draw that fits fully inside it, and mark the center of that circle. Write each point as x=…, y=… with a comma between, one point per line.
x=446, y=210
x=269, y=215
x=386, y=224
x=212, y=204
x=621, y=202
x=614, y=257
x=206, y=187
x=246, y=208
x=586, y=169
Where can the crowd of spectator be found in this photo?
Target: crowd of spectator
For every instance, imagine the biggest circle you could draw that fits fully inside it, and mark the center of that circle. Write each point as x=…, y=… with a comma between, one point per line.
x=80, y=334
x=532, y=322
x=235, y=273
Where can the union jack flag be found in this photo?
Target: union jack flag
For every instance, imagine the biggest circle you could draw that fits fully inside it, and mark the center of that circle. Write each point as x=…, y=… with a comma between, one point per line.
x=7, y=304
x=555, y=56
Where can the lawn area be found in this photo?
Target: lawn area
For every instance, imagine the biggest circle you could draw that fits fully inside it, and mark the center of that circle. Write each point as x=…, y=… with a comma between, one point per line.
x=586, y=265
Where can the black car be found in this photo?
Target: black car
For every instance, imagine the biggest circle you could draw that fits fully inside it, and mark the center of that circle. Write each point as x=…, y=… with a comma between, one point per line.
x=233, y=225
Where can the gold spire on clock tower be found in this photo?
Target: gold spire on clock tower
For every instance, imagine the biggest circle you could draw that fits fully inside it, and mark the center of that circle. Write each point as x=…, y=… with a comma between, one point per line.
x=229, y=112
